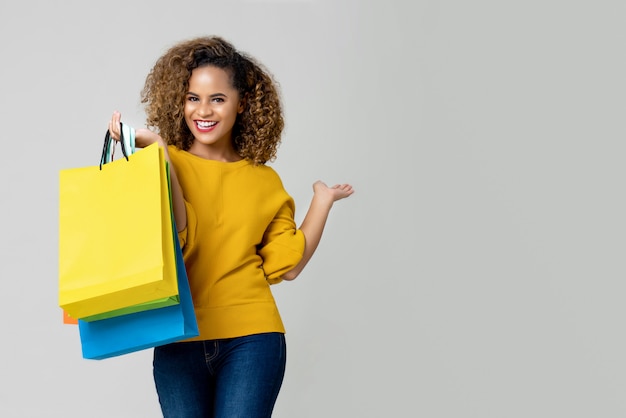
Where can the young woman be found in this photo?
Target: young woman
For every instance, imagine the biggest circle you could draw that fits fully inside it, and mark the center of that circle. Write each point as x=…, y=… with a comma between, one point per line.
x=216, y=112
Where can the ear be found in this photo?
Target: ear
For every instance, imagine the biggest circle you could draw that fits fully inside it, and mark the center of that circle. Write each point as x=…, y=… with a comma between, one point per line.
x=242, y=104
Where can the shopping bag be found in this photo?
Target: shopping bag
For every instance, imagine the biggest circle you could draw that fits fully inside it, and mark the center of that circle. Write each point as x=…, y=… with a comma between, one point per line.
x=69, y=320
x=115, y=234
x=153, y=304
x=159, y=303
x=128, y=145
x=141, y=330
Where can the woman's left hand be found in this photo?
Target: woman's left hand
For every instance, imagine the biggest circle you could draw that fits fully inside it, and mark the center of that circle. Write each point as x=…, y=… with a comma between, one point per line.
x=334, y=193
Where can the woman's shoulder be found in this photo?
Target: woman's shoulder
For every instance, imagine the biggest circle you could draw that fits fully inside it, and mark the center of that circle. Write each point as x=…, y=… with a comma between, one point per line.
x=174, y=151
x=265, y=171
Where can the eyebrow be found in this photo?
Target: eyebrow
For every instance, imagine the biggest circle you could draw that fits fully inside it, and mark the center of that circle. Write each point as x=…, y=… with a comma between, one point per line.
x=211, y=96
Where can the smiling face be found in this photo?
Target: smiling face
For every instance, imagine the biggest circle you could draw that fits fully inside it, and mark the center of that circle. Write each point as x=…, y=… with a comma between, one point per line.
x=211, y=108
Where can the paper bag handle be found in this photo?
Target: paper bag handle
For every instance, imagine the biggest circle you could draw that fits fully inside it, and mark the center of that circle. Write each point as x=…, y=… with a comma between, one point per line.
x=127, y=139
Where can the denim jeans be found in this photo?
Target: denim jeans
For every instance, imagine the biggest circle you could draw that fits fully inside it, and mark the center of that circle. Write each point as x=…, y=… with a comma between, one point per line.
x=232, y=378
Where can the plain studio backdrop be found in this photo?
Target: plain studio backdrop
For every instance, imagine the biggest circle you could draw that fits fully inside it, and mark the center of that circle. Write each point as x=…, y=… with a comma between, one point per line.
x=478, y=270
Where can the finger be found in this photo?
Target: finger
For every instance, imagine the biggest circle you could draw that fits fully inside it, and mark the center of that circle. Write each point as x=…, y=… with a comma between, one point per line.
x=112, y=131
x=118, y=126
x=347, y=188
x=114, y=125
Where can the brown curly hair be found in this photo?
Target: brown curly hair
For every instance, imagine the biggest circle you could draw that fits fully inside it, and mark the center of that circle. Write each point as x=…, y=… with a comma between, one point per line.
x=257, y=130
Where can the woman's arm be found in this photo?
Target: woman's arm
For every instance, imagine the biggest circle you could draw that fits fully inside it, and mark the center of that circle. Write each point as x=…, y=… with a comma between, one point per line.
x=315, y=220
x=143, y=138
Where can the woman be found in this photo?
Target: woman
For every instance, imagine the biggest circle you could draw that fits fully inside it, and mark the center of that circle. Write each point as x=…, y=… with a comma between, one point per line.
x=216, y=112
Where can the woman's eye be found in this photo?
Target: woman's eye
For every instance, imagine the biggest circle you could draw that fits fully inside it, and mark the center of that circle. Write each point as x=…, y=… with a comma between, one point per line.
x=218, y=100
x=192, y=99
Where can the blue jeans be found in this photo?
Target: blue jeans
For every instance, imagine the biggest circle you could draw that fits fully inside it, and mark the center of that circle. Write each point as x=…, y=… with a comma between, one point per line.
x=232, y=378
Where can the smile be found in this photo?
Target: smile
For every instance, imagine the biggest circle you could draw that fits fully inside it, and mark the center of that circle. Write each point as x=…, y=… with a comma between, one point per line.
x=205, y=124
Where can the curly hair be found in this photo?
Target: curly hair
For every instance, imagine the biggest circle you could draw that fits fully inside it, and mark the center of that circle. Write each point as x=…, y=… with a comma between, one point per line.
x=257, y=131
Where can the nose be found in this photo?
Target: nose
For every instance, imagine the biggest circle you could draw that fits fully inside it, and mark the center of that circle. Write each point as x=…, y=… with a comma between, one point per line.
x=205, y=109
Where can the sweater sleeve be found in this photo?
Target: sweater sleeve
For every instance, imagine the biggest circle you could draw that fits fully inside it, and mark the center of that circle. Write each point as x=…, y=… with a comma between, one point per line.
x=186, y=237
x=283, y=244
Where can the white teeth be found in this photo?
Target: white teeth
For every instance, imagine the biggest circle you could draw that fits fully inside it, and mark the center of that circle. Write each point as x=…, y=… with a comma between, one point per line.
x=204, y=124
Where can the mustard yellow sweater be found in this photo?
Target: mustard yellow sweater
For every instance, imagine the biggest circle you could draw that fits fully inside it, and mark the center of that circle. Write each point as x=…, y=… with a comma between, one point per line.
x=240, y=238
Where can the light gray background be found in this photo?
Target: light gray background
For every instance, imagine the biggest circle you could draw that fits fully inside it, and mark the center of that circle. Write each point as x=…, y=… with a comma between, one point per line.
x=478, y=271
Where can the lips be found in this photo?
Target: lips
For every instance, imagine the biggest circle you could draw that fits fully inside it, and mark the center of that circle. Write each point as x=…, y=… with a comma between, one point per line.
x=205, y=125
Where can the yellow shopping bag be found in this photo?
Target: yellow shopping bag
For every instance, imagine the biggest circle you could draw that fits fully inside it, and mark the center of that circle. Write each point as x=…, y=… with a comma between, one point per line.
x=115, y=235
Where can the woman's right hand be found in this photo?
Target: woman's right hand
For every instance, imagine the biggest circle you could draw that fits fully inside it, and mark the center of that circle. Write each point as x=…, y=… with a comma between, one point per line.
x=143, y=136
x=115, y=125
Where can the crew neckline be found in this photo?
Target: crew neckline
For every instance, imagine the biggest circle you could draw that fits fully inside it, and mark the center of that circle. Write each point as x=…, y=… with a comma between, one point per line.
x=238, y=163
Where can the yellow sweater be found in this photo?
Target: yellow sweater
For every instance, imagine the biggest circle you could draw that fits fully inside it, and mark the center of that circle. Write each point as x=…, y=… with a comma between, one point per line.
x=240, y=238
